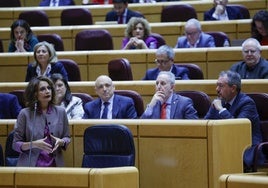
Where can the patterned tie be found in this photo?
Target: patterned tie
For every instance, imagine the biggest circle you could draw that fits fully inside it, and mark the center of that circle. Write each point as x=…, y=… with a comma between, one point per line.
x=120, y=20
x=164, y=111
x=227, y=106
x=105, y=110
x=54, y=2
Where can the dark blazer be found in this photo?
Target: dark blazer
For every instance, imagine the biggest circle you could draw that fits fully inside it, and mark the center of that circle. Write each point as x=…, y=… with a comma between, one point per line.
x=181, y=108
x=61, y=2
x=205, y=40
x=181, y=73
x=55, y=68
x=112, y=16
x=233, y=14
x=242, y=107
x=259, y=71
x=9, y=106
x=123, y=108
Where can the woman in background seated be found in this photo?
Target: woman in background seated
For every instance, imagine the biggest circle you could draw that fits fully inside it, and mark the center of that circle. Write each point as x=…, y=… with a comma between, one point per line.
x=138, y=35
x=259, y=27
x=73, y=105
x=22, y=37
x=46, y=62
x=41, y=129
x=54, y=3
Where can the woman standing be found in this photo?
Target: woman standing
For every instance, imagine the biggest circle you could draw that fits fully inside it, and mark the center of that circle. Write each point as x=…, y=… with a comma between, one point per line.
x=22, y=37
x=42, y=129
x=46, y=62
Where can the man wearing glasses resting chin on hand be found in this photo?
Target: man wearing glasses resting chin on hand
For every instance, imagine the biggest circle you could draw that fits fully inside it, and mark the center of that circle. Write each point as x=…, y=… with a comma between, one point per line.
x=165, y=62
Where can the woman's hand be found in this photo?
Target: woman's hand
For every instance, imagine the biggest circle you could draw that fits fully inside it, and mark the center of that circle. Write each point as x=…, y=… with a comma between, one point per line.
x=58, y=142
x=20, y=45
x=43, y=145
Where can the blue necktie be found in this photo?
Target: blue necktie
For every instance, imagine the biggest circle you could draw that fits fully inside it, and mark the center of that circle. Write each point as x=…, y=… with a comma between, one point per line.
x=105, y=110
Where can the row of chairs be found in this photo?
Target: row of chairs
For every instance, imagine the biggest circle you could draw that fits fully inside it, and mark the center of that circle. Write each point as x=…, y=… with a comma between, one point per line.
x=98, y=154
x=82, y=16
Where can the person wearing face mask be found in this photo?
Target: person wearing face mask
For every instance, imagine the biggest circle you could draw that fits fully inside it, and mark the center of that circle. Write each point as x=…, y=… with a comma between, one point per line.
x=41, y=132
x=165, y=62
x=253, y=66
x=73, y=105
x=109, y=105
x=138, y=35
x=232, y=103
x=22, y=37
x=259, y=27
x=194, y=36
x=166, y=104
x=46, y=62
x=221, y=11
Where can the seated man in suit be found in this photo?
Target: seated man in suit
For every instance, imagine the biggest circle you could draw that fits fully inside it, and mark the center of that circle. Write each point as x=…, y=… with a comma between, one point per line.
x=232, y=103
x=253, y=66
x=9, y=106
x=109, y=105
x=165, y=62
x=165, y=104
x=121, y=13
x=194, y=37
x=56, y=3
x=221, y=11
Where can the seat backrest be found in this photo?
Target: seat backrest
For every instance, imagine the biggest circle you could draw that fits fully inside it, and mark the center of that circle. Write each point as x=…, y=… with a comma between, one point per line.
x=54, y=39
x=108, y=146
x=10, y=3
x=76, y=16
x=84, y=97
x=136, y=97
x=1, y=46
x=195, y=72
x=242, y=9
x=160, y=39
x=200, y=100
x=219, y=38
x=1, y=156
x=97, y=39
x=120, y=69
x=175, y=13
x=11, y=156
x=20, y=95
x=35, y=17
x=72, y=69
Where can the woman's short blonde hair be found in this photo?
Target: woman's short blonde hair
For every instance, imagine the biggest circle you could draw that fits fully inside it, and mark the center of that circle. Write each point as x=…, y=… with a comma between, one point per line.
x=51, y=50
x=133, y=22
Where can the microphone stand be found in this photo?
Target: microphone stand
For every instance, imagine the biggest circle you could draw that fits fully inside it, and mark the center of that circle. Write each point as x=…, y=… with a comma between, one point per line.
x=32, y=132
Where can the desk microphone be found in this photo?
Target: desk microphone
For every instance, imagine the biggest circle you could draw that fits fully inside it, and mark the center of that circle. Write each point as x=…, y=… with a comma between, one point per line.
x=32, y=132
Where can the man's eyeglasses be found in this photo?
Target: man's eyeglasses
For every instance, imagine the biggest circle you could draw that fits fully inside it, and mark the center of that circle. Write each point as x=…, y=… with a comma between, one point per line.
x=161, y=62
x=249, y=51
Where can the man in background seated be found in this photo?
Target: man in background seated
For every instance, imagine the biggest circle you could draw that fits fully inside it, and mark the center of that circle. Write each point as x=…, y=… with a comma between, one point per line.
x=9, y=106
x=121, y=13
x=253, y=66
x=166, y=104
x=221, y=11
x=232, y=103
x=194, y=37
x=165, y=62
x=109, y=105
x=56, y=3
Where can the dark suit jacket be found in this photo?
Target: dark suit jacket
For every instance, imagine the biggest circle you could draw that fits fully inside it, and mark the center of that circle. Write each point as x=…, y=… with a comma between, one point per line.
x=205, y=40
x=233, y=14
x=61, y=2
x=112, y=16
x=242, y=107
x=181, y=108
x=55, y=68
x=259, y=71
x=123, y=108
x=181, y=73
x=9, y=106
